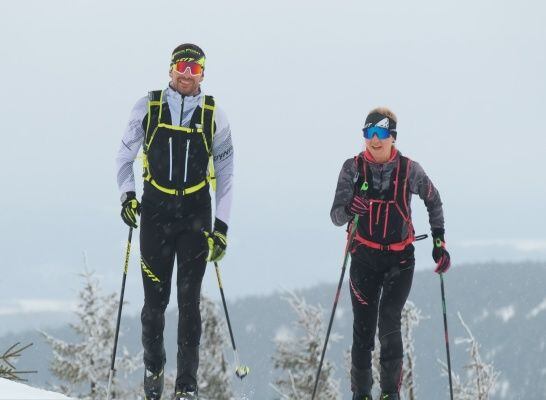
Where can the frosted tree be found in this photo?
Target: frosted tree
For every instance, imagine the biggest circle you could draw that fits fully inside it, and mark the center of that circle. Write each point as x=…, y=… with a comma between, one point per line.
x=298, y=357
x=214, y=374
x=480, y=376
x=411, y=317
x=85, y=365
x=8, y=370
x=170, y=381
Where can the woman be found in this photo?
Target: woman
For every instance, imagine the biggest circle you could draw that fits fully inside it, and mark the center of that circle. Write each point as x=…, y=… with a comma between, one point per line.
x=374, y=189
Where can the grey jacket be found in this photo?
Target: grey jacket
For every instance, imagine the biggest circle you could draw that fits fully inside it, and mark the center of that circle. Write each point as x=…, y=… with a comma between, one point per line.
x=419, y=183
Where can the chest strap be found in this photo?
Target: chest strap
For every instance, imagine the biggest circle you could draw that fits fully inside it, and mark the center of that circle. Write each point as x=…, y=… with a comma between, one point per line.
x=176, y=192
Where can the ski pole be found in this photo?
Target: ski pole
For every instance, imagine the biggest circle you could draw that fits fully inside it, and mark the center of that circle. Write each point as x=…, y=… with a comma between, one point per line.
x=240, y=370
x=446, y=335
x=126, y=267
x=346, y=257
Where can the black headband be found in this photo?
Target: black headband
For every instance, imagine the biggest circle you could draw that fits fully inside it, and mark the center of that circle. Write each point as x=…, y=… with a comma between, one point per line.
x=377, y=119
x=188, y=54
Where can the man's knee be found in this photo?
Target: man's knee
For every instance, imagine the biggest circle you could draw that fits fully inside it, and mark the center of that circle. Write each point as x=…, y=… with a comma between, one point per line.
x=152, y=314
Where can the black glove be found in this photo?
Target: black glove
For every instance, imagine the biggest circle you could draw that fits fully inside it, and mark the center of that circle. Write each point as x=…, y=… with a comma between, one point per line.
x=439, y=253
x=130, y=207
x=217, y=241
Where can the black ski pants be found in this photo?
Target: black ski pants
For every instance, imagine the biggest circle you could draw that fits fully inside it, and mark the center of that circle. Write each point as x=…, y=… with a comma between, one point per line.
x=167, y=231
x=380, y=282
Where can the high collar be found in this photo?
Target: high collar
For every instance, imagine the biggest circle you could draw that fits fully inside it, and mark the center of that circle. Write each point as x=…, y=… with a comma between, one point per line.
x=174, y=95
x=394, y=155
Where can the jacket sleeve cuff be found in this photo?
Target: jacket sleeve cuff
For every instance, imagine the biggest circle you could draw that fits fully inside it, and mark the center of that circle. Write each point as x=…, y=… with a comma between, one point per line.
x=438, y=233
x=127, y=196
x=220, y=226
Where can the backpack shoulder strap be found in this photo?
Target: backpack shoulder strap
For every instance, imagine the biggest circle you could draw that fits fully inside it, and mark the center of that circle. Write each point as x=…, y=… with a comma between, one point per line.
x=404, y=169
x=155, y=105
x=362, y=170
x=154, y=96
x=402, y=189
x=209, y=128
x=207, y=121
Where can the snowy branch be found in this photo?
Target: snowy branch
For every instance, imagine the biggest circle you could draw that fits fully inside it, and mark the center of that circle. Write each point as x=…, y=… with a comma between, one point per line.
x=7, y=360
x=481, y=377
x=298, y=357
x=85, y=365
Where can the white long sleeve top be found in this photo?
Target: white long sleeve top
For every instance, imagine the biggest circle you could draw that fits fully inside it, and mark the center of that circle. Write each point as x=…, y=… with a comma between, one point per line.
x=222, y=146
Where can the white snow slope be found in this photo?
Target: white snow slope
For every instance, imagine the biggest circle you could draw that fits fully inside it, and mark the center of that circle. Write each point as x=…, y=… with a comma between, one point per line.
x=10, y=390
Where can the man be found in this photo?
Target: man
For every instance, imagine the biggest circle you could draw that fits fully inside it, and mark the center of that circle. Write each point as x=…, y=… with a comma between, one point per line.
x=377, y=186
x=187, y=148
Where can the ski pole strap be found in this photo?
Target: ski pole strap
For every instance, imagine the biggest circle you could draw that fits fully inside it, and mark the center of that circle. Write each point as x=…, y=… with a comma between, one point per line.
x=421, y=237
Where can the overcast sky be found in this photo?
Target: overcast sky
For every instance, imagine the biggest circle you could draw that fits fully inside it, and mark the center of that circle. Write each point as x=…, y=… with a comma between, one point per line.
x=296, y=79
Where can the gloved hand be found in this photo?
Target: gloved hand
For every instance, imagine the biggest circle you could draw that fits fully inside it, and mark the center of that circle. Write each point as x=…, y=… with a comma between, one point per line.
x=217, y=241
x=439, y=253
x=358, y=206
x=130, y=207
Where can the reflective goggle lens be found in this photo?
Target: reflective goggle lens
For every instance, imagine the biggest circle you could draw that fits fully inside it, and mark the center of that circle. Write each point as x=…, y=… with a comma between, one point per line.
x=182, y=66
x=382, y=133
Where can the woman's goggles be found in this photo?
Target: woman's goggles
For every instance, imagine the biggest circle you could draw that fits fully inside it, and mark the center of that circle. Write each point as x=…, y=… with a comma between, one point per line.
x=381, y=133
x=182, y=66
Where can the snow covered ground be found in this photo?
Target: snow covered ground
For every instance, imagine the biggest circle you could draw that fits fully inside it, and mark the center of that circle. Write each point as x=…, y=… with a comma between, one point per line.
x=10, y=390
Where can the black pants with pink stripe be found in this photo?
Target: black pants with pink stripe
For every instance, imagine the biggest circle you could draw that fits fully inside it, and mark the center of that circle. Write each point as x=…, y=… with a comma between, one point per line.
x=380, y=282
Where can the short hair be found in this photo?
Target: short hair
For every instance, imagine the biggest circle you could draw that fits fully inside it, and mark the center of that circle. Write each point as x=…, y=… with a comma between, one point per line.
x=385, y=111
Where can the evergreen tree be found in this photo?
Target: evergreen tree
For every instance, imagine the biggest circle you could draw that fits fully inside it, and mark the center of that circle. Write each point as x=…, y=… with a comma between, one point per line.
x=480, y=376
x=8, y=360
x=85, y=365
x=214, y=374
x=376, y=368
x=298, y=357
x=411, y=317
